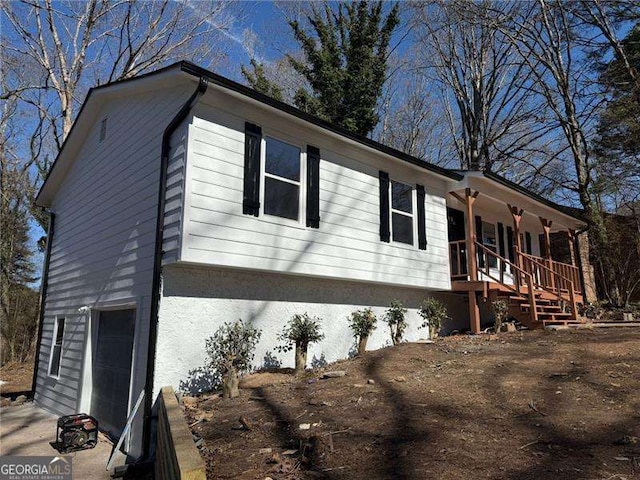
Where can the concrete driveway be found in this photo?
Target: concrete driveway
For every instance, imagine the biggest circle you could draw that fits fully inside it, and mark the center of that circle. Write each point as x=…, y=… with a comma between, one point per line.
x=27, y=430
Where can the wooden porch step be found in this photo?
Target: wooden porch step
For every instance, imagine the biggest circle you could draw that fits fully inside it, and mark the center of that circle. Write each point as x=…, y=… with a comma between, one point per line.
x=543, y=308
x=525, y=300
x=555, y=315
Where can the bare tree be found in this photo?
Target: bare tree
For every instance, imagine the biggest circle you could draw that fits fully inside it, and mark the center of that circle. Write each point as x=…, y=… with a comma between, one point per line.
x=606, y=17
x=409, y=116
x=547, y=37
x=18, y=302
x=489, y=109
x=70, y=46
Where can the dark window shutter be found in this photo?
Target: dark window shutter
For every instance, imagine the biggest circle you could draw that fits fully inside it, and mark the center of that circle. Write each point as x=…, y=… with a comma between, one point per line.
x=385, y=234
x=541, y=244
x=251, y=194
x=511, y=253
x=501, y=239
x=422, y=227
x=501, y=243
x=479, y=229
x=527, y=239
x=313, y=187
x=479, y=240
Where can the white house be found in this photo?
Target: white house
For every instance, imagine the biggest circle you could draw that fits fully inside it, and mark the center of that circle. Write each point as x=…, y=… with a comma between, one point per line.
x=182, y=200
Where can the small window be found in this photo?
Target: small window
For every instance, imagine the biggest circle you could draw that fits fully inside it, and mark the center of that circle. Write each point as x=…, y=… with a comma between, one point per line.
x=401, y=213
x=103, y=129
x=56, y=348
x=282, y=179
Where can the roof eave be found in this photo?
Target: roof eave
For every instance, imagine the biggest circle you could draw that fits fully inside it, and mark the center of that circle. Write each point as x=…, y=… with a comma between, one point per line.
x=198, y=71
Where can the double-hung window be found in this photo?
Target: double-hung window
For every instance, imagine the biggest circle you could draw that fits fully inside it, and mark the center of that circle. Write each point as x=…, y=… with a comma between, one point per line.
x=279, y=179
x=56, y=348
x=282, y=185
x=402, y=212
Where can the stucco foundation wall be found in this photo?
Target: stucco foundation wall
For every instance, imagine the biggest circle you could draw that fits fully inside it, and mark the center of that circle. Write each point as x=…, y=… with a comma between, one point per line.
x=197, y=300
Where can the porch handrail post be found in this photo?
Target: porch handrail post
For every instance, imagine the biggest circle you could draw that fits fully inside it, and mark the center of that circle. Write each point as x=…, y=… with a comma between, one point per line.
x=470, y=198
x=546, y=228
x=470, y=237
x=532, y=298
x=516, y=214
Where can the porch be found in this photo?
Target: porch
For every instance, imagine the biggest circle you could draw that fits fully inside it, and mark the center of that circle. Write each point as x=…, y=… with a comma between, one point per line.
x=499, y=249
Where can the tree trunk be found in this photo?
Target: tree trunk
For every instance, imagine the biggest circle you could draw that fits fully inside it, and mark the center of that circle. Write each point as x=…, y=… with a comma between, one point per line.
x=230, y=384
x=433, y=331
x=600, y=241
x=301, y=358
x=397, y=337
x=362, y=344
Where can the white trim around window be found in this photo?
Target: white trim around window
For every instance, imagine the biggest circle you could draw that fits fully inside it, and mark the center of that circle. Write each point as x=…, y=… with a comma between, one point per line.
x=412, y=215
x=301, y=183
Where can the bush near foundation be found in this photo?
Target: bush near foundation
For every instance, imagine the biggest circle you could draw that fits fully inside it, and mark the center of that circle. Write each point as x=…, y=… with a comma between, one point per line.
x=433, y=312
x=363, y=323
x=395, y=318
x=230, y=352
x=301, y=331
x=500, y=310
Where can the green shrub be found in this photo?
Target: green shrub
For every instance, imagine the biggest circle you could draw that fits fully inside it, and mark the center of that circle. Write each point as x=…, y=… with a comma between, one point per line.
x=592, y=310
x=395, y=318
x=363, y=323
x=500, y=310
x=301, y=331
x=433, y=312
x=230, y=352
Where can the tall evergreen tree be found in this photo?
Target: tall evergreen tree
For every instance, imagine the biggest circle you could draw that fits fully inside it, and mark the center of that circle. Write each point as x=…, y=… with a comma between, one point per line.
x=346, y=59
x=259, y=82
x=618, y=134
x=344, y=63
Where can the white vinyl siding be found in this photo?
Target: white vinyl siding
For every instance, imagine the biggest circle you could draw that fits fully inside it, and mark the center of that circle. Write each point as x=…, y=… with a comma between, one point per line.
x=174, y=197
x=346, y=245
x=103, y=245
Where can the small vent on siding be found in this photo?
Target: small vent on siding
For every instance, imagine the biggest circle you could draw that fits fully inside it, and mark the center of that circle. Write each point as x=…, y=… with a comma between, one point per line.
x=103, y=129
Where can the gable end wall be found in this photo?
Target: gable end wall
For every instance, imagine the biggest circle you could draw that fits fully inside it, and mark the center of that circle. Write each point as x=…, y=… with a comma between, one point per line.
x=103, y=246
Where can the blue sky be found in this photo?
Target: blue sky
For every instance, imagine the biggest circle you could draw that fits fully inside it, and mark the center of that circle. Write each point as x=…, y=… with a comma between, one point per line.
x=262, y=21
x=265, y=21
x=267, y=24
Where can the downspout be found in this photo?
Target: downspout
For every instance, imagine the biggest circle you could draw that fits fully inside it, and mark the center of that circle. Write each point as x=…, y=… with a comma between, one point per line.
x=43, y=296
x=157, y=263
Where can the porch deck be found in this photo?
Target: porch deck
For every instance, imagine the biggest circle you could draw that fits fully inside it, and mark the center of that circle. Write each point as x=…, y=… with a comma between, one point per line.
x=539, y=291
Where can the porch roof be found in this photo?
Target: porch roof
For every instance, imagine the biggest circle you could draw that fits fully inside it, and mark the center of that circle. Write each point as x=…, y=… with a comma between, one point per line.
x=499, y=189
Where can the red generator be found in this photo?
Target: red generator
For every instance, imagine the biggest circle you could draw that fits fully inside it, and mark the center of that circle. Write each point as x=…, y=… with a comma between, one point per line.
x=76, y=432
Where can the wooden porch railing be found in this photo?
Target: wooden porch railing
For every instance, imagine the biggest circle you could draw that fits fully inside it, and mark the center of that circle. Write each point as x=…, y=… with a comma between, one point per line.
x=530, y=272
x=548, y=274
x=521, y=277
x=458, y=259
x=552, y=274
x=550, y=281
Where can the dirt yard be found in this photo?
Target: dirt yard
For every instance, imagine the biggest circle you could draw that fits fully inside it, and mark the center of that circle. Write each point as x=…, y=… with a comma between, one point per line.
x=527, y=405
x=17, y=378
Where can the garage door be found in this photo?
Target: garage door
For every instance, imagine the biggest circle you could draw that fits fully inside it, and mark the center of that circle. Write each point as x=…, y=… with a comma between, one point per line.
x=112, y=369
